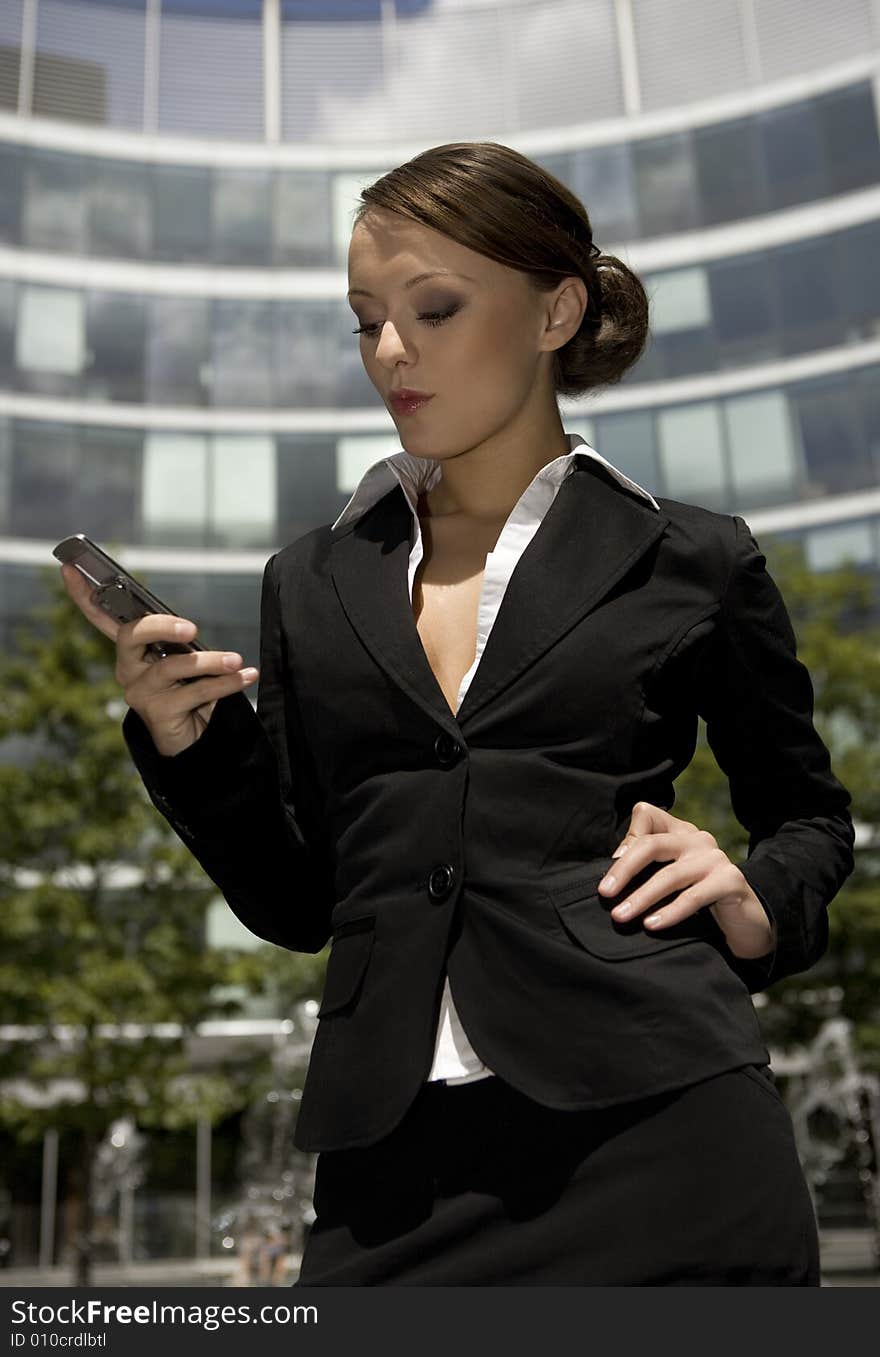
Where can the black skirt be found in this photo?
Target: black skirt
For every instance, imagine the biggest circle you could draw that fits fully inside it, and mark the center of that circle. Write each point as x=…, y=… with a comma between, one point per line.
x=479, y=1185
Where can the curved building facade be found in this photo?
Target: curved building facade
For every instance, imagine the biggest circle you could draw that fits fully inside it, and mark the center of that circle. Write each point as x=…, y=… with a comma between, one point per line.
x=178, y=373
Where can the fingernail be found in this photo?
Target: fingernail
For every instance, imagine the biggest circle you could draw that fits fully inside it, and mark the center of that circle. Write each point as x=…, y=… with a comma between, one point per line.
x=653, y=918
x=620, y=850
x=249, y=673
x=232, y=661
x=607, y=883
x=181, y=628
x=622, y=911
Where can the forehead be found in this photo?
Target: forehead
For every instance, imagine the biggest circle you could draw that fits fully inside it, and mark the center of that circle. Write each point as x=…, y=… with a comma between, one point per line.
x=385, y=246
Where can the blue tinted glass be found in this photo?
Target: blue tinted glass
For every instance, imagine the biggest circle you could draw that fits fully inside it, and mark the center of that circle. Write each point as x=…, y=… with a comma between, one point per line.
x=347, y=9
x=832, y=436
x=307, y=491
x=120, y=208
x=7, y=339
x=602, y=177
x=627, y=440
x=848, y=128
x=729, y=171
x=743, y=301
x=108, y=481
x=666, y=183
x=115, y=336
x=866, y=394
x=331, y=9
x=809, y=300
x=856, y=276
x=11, y=161
x=794, y=155
x=178, y=349
x=183, y=211
x=221, y=9
x=43, y=477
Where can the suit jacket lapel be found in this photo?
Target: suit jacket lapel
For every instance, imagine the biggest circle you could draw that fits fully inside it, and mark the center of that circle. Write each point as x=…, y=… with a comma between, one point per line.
x=594, y=531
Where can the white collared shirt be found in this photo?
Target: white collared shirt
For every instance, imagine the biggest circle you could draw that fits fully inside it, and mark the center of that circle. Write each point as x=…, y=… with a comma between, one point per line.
x=455, y=1060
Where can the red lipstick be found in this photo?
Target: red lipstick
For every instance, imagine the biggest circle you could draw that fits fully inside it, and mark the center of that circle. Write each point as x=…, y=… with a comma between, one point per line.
x=406, y=401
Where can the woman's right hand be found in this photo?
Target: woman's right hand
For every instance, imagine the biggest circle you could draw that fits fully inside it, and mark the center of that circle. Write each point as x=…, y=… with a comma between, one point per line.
x=175, y=713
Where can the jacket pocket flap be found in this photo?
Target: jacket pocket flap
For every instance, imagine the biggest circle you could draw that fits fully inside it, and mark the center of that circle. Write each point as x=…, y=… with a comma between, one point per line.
x=586, y=916
x=350, y=950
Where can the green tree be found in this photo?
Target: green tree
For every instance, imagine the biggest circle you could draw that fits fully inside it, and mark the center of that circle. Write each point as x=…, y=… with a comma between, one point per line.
x=838, y=640
x=102, y=917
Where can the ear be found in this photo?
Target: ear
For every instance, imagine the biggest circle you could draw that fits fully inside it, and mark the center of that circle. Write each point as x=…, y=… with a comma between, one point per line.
x=565, y=310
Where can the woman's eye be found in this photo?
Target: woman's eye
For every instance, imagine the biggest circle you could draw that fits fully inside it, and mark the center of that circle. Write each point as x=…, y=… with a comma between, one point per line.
x=429, y=317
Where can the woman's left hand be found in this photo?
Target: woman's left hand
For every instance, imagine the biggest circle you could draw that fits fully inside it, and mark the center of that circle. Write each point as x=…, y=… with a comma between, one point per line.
x=698, y=869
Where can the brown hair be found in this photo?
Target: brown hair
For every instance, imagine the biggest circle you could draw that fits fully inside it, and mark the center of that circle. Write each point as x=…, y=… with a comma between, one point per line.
x=500, y=204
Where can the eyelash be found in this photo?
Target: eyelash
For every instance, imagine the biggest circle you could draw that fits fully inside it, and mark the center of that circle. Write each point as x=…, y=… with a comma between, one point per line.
x=430, y=318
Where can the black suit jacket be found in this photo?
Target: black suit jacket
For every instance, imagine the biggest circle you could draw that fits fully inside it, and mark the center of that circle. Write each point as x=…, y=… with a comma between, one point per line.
x=353, y=806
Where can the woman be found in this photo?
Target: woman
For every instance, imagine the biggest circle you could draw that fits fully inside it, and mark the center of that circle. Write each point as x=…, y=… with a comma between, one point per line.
x=524, y=1071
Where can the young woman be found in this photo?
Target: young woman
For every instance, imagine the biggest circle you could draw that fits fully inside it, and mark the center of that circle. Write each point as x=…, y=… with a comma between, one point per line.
x=537, y=1060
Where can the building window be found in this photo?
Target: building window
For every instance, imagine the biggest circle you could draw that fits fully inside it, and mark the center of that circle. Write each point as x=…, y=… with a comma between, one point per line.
x=356, y=454
x=744, y=309
x=53, y=203
x=680, y=300
x=182, y=195
x=242, y=352
x=729, y=171
x=666, y=180
x=835, y=544
x=51, y=330
x=178, y=351
x=174, y=501
x=242, y=489
x=691, y=452
x=763, y=460
x=602, y=177
x=794, y=155
x=847, y=121
x=115, y=326
x=11, y=162
x=345, y=202
x=585, y=427
x=119, y=208
x=242, y=210
x=627, y=441
x=832, y=437
x=301, y=228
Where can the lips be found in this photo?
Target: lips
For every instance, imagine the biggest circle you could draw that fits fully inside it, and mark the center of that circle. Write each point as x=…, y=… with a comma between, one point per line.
x=405, y=401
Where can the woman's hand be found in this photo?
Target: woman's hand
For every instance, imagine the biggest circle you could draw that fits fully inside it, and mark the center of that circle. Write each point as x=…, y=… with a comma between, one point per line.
x=175, y=712
x=698, y=869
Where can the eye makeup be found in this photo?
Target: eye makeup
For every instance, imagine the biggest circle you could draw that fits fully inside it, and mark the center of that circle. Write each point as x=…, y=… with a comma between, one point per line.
x=428, y=317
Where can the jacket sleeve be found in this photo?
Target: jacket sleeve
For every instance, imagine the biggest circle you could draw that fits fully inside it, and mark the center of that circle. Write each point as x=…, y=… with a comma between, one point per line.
x=757, y=697
x=243, y=810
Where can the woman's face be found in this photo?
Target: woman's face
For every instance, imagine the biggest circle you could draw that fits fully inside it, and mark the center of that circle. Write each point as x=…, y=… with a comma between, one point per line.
x=478, y=344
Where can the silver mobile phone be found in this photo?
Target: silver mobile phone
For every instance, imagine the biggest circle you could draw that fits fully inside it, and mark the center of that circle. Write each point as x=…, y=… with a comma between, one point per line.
x=117, y=592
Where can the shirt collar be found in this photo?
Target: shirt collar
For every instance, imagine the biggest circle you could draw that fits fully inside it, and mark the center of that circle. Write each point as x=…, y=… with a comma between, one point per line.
x=416, y=475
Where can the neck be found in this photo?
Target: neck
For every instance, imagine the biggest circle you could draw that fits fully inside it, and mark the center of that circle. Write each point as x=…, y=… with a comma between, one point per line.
x=485, y=483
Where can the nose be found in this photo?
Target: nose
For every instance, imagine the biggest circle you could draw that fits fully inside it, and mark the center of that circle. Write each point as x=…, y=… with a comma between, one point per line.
x=389, y=347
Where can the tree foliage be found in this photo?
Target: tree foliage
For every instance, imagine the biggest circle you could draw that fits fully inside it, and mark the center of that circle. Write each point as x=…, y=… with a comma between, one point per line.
x=102, y=915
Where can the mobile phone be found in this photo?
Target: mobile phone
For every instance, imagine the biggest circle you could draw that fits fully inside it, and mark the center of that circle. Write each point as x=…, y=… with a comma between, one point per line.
x=117, y=592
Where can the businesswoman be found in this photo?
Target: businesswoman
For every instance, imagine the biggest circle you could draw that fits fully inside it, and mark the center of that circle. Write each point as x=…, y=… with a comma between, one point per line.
x=537, y=1059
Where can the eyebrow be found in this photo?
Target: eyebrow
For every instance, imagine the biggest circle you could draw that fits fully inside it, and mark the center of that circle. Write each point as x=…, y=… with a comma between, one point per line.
x=420, y=277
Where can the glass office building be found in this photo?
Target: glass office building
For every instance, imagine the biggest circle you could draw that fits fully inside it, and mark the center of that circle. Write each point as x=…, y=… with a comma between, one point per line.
x=178, y=375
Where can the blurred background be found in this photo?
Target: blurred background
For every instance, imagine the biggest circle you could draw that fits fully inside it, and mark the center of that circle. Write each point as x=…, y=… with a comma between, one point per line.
x=180, y=381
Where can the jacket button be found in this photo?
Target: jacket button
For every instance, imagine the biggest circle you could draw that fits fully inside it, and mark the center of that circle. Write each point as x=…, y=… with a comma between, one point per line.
x=446, y=748
x=440, y=881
